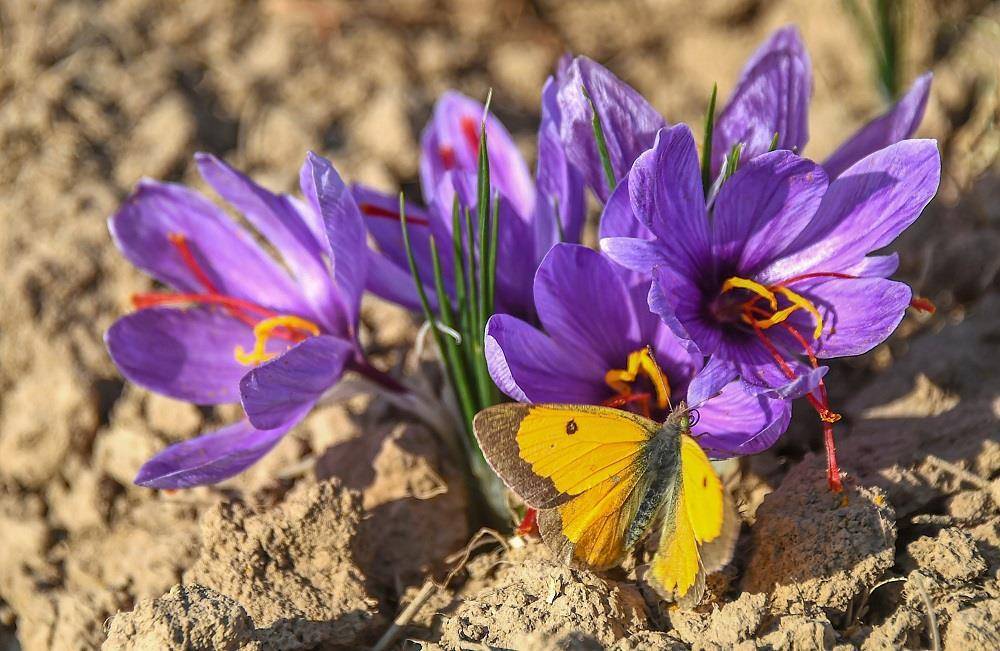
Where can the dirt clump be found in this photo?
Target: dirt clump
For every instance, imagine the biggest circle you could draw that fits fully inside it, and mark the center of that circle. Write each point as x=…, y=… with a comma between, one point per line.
x=188, y=618
x=410, y=492
x=817, y=546
x=539, y=601
x=976, y=627
x=723, y=626
x=951, y=556
x=293, y=566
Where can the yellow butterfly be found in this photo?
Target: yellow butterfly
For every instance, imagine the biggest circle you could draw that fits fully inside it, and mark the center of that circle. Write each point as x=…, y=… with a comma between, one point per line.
x=600, y=477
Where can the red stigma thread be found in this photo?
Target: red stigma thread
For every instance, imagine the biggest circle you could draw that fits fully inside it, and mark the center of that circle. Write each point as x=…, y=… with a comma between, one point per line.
x=242, y=310
x=470, y=133
x=372, y=210
x=447, y=155
x=821, y=405
x=180, y=243
x=642, y=398
x=766, y=319
x=923, y=304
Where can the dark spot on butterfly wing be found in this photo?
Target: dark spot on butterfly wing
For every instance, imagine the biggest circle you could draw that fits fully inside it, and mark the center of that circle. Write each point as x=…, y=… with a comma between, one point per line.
x=571, y=427
x=704, y=482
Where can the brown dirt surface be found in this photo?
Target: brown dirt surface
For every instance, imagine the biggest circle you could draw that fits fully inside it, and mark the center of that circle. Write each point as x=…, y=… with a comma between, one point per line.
x=189, y=617
x=536, y=603
x=294, y=565
x=96, y=94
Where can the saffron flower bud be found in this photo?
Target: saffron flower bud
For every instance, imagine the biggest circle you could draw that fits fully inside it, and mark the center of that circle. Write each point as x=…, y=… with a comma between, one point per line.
x=235, y=325
x=533, y=215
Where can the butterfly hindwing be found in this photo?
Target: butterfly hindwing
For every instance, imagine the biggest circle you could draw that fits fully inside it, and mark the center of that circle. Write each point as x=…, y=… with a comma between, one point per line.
x=590, y=529
x=550, y=453
x=700, y=527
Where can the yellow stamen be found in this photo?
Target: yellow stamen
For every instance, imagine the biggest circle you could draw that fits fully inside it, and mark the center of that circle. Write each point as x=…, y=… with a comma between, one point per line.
x=799, y=302
x=641, y=360
x=263, y=331
x=742, y=283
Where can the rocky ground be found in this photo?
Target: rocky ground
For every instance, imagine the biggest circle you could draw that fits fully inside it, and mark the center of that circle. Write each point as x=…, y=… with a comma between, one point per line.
x=336, y=531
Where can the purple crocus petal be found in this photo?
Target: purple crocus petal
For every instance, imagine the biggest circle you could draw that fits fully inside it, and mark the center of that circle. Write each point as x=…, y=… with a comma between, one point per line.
x=771, y=97
x=280, y=222
x=528, y=366
x=640, y=256
x=185, y=354
x=389, y=281
x=763, y=207
x=451, y=142
x=381, y=214
x=517, y=260
x=710, y=381
x=766, y=379
x=618, y=218
x=583, y=303
x=735, y=423
x=388, y=270
x=665, y=189
x=898, y=123
x=678, y=303
x=629, y=122
x=858, y=314
x=619, y=222
x=679, y=358
x=345, y=232
x=274, y=392
x=863, y=210
x=228, y=255
x=559, y=183
x=212, y=457
x=875, y=266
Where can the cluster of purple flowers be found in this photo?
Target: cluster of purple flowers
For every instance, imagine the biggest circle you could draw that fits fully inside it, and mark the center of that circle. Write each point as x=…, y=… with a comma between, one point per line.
x=727, y=297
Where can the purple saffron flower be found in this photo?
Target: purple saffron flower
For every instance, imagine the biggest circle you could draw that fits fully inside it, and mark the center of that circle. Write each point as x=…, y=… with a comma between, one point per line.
x=778, y=268
x=602, y=345
x=771, y=97
x=628, y=121
x=237, y=325
x=534, y=213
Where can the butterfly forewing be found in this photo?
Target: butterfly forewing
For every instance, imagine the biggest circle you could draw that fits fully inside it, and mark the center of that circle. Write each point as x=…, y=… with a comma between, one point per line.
x=549, y=453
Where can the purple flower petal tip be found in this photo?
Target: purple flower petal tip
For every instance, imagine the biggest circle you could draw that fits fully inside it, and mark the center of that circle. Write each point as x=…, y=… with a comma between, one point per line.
x=209, y=458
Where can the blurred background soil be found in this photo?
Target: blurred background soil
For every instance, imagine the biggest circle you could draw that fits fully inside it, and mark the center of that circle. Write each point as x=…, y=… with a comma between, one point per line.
x=322, y=542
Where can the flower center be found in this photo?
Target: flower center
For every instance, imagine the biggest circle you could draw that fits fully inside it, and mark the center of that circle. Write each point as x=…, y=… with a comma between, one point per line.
x=266, y=323
x=752, y=313
x=623, y=380
x=781, y=303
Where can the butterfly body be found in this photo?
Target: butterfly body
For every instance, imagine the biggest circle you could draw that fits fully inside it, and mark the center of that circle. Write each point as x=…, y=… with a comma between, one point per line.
x=663, y=458
x=602, y=477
